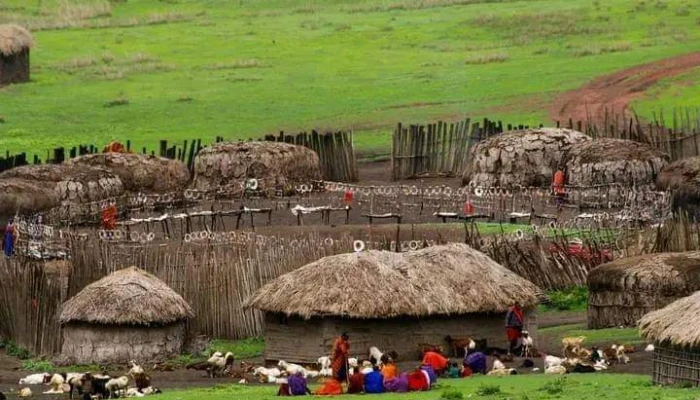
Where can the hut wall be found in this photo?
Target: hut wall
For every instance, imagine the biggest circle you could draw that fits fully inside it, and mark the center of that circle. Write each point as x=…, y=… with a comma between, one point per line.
x=296, y=340
x=673, y=366
x=611, y=309
x=98, y=344
x=14, y=68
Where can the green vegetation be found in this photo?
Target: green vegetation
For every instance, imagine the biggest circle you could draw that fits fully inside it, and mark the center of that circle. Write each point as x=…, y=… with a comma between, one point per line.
x=519, y=387
x=37, y=365
x=574, y=298
x=183, y=69
x=593, y=336
x=246, y=348
x=679, y=93
x=14, y=350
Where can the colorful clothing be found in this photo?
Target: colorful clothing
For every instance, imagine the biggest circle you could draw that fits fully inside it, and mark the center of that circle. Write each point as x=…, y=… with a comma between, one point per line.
x=476, y=362
x=453, y=372
x=8, y=244
x=466, y=372
x=418, y=382
x=356, y=383
x=432, y=376
x=397, y=385
x=514, y=327
x=341, y=349
x=284, y=390
x=390, y=371
x=298, y=386
x=436, y=361
x=374, y=382
x=332, y=387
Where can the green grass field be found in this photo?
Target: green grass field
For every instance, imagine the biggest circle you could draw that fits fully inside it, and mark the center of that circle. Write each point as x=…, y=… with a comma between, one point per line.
x=524, y=387
x=182, y=69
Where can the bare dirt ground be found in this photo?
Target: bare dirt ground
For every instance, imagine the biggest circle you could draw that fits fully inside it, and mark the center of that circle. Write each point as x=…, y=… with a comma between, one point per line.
x=615, y=92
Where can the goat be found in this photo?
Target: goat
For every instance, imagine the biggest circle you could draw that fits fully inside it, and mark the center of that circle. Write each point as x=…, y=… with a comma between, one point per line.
x=135, y=369
x=555, y=370
x=94, y=385
x=265, y=373
x=375, y=354
x=572, y=344
x=649, y=348
x=552, y=361
x=621, y=356
x=35, y=379
x=457, y=344
x=25, y=392
x=56, y=382
x=583, y=369
x=117, y=384
x=74, y=381
x=218, y=363
x=497, y=364
x=291, y=369
x=527, y=344
x=142, y=381
x=152, y=390
x=502, y=372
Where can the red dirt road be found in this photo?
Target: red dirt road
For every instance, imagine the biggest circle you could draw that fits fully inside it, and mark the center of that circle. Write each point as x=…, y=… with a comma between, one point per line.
x=614, y=92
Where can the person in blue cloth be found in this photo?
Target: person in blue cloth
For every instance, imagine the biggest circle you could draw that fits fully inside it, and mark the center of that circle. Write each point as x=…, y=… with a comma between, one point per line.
x=8, y=243
x=374, y=382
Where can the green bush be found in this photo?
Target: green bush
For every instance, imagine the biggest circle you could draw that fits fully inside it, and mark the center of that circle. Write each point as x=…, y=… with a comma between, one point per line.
x=570, y=299
x=12, y=349
x=554, y=387
x=37, y=365
x=488, y=390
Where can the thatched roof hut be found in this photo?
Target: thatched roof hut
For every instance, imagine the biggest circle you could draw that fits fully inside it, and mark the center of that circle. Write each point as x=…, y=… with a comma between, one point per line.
x=674, y=331
x=440, y=290
x=525, y=157
x=682, y=178
x=622, y=291
x=129, y=314
x=15, y=42
x=140, y=173
x=274, y=165
x=23, y=196
x=614, y=161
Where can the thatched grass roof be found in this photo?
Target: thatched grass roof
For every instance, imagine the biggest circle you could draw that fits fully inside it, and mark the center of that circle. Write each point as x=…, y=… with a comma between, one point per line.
x=675, y=324
x=606, y=161
x=681, y=177
x=660, y=274
x=452, y=279
x=23, y=196
x=130, y=296
x=140, y=173
x=14, y=39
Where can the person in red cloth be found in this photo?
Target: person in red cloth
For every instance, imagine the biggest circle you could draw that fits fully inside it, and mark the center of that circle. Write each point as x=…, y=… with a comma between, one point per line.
x=339, y=363
x=514, y=326
x=109, y=217
x=558, y=187
x=356, y=382
x=436, y=361
x=418, y=381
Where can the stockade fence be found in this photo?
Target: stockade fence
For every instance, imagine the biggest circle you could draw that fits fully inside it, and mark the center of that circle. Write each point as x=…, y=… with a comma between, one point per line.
x=335, y=151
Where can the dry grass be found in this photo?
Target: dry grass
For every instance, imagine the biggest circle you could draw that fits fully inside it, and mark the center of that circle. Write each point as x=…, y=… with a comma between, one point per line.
x=675, y=324
x=109, y=67
x=618, y=47
x=489, y=58
x=406, y=5
x=244, y=63
x=14, y=38
x=88, y=16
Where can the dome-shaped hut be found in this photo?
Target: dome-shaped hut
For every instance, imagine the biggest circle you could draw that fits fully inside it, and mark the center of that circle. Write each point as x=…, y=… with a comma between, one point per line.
x=139, y=172
x=676, y=337
x=682, y=178
x=622, y=291
x=420, y=296
x=15, y=42
x=274, y=165
x=525, y=157
x=128, y=315
x=20, y=196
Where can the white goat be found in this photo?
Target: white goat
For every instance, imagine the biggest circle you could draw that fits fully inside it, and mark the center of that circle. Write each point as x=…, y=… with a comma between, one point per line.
x=376, y=354
x=116, y=384
x=324, y=362
x=555, y=370
x=497, y=364
x=267, y=372
x=649, y=348
x=34, y=379
x=218, y=363
x=502, y=372
x=552, y=361
x=25, y=392
x=291, y=369
x=135, y=369
x=527, y=344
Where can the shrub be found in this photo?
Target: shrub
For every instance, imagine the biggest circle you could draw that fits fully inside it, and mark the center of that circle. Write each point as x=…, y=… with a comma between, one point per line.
x=573, y=298
x=37, y=365
x=554, y=387
x=488, y=390
x=14, y=350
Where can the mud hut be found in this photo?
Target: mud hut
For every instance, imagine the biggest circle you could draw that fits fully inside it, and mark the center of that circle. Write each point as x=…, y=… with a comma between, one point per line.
x=376, y=295
x=622, y=291
x=274, y=165
x=525, y=157
x=20, y=196
x=140, y=173
x=128, y=315
x=15, y=42
x=676, y=337
x=682, y=178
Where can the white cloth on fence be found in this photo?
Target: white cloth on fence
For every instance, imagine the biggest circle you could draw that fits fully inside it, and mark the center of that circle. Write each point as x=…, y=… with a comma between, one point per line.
x=298, y=209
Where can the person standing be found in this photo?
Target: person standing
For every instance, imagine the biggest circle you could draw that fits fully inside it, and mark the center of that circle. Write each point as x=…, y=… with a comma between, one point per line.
x=341, y=350
x=514, y=326
x=8, y=242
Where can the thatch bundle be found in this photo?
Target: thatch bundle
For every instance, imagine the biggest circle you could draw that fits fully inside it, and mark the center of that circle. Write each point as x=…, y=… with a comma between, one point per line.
x=614, y=161
x=525, y=157
x=140, y=173
x=130, y=296
x=72, y=183
x=14, y=39
x=274, y=165
x=23, y=196
x=674, y=325
x=452, y=279
x=624, y=290
x=682, y=178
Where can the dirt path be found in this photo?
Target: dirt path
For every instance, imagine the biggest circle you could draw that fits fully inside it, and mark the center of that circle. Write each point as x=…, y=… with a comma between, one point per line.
x=616, y=91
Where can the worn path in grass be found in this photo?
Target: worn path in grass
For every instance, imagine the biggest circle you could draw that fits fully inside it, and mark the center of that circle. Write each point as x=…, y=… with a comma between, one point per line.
x=616, y=91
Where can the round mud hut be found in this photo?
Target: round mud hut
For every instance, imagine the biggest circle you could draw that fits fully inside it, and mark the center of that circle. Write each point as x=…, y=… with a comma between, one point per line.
x=605, y=162
x=394, y=301
x=527, y=157
x=128, y=315
x=682, y=178
x=622, y=291
x=676, y=337
x=139, y=172
x=20, y=196
x=15, y=42
x=274, y=165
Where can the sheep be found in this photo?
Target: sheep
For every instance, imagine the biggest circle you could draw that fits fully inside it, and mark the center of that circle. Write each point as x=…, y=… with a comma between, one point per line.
x=497, y=364
x=649, y=348
x=600, y=365
x=502, y=372
x=218, y=363
x=116, y=384
x=552, y=361
x=324, y=362
x=291, y=369
x=56, y=382
x=74, y=381
x=135, y=369
x=265, y=373
x=25, y=392
x=94, y=385
x=151, y=390
x=35, y=379
x=456, y=344
x=620, y=356
x=572, y=344
x=555, y=370
x=133, y=392
x=375, y=354
x=527, y=344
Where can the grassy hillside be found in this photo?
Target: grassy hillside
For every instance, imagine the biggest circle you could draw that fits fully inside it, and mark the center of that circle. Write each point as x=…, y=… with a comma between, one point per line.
x=182, y=69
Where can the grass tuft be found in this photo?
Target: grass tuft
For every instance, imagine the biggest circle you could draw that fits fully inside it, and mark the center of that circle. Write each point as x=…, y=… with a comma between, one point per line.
x=120, y=101
x=488, y=389
x=451, y=394
x=555, y=387
x=486, y=58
